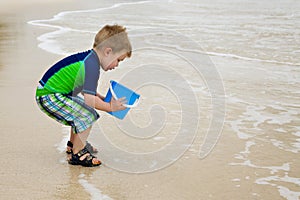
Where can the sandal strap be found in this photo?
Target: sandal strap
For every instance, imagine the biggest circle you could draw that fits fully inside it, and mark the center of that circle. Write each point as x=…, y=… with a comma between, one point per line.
x=87, y=161
x=90, y=148
x=83, y=152
x=70, y=144
x=89, y=158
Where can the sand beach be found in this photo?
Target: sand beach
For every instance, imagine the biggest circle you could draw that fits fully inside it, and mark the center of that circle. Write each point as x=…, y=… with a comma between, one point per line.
x=30, y=167
x=255, y=154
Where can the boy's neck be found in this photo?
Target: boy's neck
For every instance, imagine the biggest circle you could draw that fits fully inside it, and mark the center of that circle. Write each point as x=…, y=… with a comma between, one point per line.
x=99, y=55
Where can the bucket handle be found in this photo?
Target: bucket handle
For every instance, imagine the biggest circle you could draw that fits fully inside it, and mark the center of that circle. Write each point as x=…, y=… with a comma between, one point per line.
x=116, y=98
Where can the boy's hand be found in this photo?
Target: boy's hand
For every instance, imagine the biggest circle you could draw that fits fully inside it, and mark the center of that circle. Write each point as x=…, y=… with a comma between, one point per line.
x=117, y=105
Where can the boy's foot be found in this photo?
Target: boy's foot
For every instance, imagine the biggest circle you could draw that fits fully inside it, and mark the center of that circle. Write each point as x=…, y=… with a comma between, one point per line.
x=84, y=158
x=88, y=146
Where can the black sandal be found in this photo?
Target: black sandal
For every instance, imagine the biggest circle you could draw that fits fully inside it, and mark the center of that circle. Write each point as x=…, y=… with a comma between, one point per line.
x=86, y=162
x=88, y=146
x=70, y=145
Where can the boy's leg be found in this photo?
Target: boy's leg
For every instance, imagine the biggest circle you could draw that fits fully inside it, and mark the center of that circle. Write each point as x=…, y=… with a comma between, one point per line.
x=79, y=142
x=72, y=135
x=69, y=148
x=65, y=110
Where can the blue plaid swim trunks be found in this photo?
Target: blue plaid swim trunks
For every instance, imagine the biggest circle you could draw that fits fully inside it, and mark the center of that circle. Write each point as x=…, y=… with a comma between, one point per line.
x=68, y=110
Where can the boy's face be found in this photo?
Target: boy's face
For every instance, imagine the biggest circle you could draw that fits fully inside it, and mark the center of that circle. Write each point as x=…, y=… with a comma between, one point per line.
x=111, y=60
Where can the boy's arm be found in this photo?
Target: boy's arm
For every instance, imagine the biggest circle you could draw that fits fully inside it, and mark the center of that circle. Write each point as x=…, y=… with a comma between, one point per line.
x=97, y=102
x=100, y=96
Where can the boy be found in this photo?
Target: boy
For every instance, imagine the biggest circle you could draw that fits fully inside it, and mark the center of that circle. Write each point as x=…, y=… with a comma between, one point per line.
x=57, y=92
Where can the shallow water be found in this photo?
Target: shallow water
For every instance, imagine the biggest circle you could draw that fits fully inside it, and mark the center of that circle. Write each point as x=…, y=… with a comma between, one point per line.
x=205, y=70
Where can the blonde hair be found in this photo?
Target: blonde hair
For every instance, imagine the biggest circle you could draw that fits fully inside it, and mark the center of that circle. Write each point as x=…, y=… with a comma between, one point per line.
x=114, y=37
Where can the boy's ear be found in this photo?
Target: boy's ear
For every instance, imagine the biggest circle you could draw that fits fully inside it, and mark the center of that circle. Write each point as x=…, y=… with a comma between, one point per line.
x=107, y=51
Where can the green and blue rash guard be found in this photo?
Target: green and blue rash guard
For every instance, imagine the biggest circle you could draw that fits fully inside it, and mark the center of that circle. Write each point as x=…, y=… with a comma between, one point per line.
x=74, y=74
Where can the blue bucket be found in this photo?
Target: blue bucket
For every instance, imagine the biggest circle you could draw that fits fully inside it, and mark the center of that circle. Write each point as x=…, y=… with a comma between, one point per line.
x=117, y=91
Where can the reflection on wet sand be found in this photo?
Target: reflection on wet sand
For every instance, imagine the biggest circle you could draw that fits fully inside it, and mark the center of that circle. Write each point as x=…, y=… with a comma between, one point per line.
x=77, y=186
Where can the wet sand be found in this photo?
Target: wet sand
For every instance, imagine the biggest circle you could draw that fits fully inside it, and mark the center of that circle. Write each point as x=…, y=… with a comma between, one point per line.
x=32, y=167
